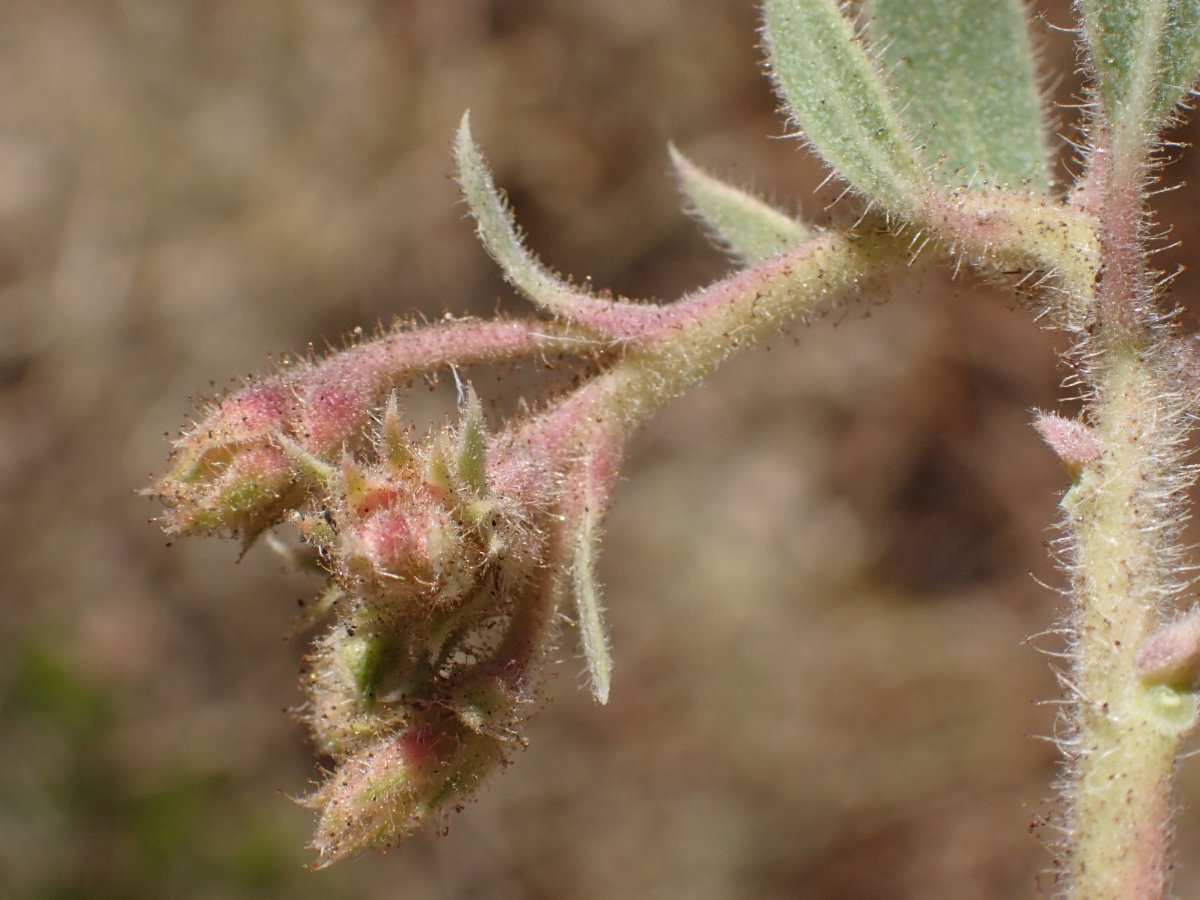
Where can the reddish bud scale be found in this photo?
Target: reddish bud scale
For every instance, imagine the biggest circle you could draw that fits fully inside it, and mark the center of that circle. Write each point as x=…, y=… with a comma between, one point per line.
x=334, y=414
x=251, y=415
x=1075, y=444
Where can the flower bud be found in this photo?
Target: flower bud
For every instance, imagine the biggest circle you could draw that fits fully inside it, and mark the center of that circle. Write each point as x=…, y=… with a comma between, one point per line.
x=390, y=789
x=244, y=494
x=227, y=473
x=348, y=667
x=418, y=543
x=391, y=527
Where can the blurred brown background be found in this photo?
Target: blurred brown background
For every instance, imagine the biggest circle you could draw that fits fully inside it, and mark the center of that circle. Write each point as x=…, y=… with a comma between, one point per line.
x=818, y=568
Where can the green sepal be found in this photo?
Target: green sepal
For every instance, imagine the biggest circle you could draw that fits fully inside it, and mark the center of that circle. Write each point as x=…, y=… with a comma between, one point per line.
x=394, y=445
x=362, y=655
x=471, y=455
x=963, y=76
x=305, y=463
x=834, y=92
x=317, y=610
x=437, y=470
x=354, y=481
x=247, y=505
x=482, y=703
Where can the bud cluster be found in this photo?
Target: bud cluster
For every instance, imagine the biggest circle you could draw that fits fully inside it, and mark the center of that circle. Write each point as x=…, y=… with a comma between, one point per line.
x=449, y=554
x=437, y=551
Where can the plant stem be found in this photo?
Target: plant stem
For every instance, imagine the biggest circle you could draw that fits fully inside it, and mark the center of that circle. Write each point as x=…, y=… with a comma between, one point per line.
x=1123, y=515
x=1123, y=518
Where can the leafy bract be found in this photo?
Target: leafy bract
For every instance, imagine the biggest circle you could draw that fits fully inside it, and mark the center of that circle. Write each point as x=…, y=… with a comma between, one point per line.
x=750, y=228
x=963, y=78
x=587, y=599
x=835, y=94
x=498, y=232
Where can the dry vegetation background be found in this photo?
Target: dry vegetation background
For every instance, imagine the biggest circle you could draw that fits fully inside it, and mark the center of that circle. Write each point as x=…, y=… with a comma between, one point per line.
x=817, y=569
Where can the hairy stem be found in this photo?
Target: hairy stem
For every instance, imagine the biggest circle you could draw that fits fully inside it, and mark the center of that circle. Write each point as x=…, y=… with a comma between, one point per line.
x=1123, y=518
x=694, y=336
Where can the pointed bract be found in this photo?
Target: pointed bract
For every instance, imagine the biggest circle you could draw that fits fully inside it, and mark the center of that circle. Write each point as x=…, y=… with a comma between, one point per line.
x=587, y=601
x=750, y=228
x=1073, y=442
x=472, y=446
x=499, y=234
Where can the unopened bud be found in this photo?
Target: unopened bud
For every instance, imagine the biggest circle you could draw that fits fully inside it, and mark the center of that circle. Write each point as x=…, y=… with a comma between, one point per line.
x=227, y=474
x=390, y=789
x=244, y=495
x=410, y=541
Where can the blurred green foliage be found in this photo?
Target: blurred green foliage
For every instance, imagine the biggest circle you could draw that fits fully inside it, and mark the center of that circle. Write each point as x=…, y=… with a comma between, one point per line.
x=109, y=837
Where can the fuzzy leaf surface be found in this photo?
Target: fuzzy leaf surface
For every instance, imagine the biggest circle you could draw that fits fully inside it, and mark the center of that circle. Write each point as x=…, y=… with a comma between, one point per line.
x=752, y=229
x=1146, y=56
x=1180, y=55
x=964, y=81
x=834, y=92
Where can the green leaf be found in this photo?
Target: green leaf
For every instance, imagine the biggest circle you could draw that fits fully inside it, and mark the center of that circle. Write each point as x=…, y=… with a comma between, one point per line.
x=963, y=75
x=745, y=224
x=835, y=94
x=1146, y=56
